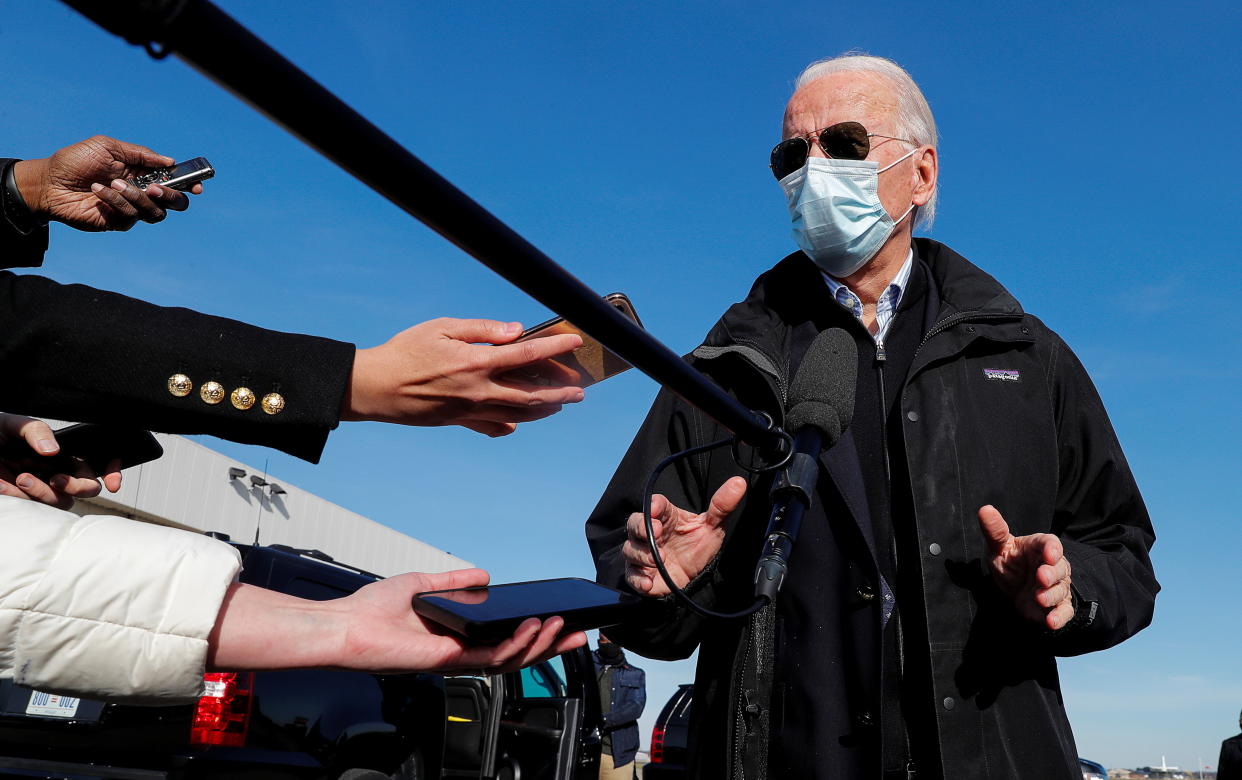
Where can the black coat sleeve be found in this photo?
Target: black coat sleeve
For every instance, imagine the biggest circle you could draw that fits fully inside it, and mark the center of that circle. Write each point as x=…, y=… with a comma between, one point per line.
x=78, y=353
x=1100, y=517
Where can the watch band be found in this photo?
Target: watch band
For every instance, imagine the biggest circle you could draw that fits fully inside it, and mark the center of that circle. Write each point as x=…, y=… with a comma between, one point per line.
x=14, y=206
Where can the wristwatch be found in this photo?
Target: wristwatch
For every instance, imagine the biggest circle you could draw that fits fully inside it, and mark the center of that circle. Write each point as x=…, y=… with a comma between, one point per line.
x=14, y=206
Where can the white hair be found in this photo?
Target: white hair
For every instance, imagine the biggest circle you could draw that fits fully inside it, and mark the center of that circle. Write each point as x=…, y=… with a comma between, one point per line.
x=914, y=117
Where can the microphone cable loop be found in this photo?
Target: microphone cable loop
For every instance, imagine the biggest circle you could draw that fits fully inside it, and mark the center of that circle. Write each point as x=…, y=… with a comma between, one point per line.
x=785, y=449
x=649, y=492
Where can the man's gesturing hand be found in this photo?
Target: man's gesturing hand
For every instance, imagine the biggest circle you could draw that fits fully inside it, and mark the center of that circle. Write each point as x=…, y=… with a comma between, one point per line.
x=84, y=185
x=437, y=373
x=687, y=541
x=1031, y=570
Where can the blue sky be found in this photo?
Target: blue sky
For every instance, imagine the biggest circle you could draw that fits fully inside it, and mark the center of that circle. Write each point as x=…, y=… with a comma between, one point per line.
x=1089, y=161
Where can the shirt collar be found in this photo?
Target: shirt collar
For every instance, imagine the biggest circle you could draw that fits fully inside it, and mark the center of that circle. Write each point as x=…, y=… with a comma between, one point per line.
x=889, y=300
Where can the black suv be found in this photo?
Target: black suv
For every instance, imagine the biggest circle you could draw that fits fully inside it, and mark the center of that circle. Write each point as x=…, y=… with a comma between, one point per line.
x=542, y=723
x=669, y=737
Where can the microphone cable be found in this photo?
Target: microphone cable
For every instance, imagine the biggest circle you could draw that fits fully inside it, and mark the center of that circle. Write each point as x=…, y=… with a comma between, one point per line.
x=678, y=592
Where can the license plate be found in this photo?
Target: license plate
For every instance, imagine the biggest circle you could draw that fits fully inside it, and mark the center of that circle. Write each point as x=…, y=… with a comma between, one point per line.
x=52, y=705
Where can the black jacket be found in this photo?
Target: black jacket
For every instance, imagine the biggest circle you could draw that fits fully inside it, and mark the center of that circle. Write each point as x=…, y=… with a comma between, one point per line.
x=1039, y=447
x=77, y=353
x=1230, y=765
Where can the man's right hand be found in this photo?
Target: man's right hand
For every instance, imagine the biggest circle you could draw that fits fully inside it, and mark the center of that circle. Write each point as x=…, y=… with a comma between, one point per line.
x=439, y=373
x=687, y=541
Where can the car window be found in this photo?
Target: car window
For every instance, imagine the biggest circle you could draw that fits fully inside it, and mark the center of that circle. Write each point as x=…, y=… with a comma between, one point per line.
x=544, y=681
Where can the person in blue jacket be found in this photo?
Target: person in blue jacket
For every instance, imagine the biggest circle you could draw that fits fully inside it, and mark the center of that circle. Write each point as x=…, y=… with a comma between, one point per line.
x=623, y=694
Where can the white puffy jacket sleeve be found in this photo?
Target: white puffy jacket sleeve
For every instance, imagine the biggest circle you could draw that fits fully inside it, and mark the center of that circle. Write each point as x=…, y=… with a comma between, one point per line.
x=106, y=607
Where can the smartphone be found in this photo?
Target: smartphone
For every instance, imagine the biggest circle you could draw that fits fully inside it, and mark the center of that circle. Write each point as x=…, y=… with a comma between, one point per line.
x=493, y=613
x=593, y=361
x=181, y=176
x=95, y=445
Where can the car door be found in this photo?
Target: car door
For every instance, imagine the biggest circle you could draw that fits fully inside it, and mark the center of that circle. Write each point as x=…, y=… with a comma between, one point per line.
x=549, y=720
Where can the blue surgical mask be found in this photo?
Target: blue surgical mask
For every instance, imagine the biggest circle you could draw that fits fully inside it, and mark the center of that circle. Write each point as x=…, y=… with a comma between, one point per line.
x=838, y=219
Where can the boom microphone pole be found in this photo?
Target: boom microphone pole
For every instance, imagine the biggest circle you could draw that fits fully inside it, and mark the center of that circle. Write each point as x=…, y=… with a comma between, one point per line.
x=215, y=44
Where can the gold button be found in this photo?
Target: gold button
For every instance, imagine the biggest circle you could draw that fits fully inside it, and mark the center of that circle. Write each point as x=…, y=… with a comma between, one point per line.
x=211, y=393
x=273, y=403
x=242, y=398
x=180, y=385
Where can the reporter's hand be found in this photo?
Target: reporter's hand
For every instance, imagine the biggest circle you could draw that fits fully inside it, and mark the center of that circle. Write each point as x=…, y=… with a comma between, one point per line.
x=385, y=633
x=84, y=186
x=438, y=373
x=373, y=629
x=61, y=489
x=1031, y=570
x=687, y=541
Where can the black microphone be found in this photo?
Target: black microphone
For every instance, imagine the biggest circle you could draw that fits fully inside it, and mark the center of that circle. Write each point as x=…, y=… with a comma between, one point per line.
x=821, y=406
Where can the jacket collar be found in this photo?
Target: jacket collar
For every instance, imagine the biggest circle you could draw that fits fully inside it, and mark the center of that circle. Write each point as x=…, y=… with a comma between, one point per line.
x=789, y=301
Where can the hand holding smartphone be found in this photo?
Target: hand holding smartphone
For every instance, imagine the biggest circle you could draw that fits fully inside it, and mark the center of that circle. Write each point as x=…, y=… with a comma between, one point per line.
x=96, y=447
x=493, y=613
x=593, y=362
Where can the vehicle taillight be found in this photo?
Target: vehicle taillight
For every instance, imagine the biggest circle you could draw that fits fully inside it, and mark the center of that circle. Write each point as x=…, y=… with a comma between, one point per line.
x=656, y=754
x=223, y=712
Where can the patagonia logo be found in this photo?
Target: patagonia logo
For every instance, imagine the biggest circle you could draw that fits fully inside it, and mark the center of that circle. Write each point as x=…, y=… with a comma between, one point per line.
x=1001, y=375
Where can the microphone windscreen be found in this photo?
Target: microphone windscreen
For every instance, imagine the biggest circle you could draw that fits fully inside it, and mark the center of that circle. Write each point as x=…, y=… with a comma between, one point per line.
x=822, y=391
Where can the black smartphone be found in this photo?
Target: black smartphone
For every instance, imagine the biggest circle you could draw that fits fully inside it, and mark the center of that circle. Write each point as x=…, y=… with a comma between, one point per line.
x=493, y=613
x=95, y=445
x=181, y=176
x=592, y=361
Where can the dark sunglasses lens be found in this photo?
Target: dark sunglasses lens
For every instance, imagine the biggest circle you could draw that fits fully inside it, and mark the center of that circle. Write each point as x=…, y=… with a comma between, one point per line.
x=788, y=156
x=845, y=141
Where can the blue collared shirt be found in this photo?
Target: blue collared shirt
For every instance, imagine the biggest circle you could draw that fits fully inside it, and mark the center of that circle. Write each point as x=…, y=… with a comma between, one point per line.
x=885, y=308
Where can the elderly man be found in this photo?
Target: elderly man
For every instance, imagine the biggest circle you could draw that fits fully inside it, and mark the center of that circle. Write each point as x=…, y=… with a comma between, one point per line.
x=976, y=520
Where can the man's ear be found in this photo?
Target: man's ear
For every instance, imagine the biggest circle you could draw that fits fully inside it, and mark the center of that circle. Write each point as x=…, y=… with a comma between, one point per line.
x=926, y=171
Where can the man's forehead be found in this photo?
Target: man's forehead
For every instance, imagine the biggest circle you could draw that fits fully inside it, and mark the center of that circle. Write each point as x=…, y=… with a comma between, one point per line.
x=848, y=96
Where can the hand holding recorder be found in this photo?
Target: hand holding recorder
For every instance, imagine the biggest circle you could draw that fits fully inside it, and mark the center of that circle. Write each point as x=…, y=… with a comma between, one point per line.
x=88, y=186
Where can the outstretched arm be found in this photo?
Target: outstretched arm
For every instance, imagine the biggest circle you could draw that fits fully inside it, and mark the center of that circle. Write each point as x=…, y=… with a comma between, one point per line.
x=373, y=629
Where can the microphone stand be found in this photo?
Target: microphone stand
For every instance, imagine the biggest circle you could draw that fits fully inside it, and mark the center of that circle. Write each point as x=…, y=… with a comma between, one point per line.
x=791, y=495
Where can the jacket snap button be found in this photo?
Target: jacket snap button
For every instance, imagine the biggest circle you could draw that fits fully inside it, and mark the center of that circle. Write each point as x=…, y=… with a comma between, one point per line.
x=934, y=549
x=865, y=720
x=949, y=703
x=866, y=593
x=912, y=416
x=970, y=328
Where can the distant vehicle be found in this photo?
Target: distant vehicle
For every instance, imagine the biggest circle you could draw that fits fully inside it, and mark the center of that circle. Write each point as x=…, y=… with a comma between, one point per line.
x=669, y=738
x=1092, y=770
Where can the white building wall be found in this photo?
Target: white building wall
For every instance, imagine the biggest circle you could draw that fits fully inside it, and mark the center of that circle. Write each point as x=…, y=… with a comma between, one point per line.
x=189, y=487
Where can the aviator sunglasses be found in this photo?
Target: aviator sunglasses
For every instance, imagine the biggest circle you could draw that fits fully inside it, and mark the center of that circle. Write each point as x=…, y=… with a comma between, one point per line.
x=842, y=141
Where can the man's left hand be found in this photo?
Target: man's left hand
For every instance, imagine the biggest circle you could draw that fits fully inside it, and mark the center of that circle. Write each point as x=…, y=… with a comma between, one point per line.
x=1031, y=570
